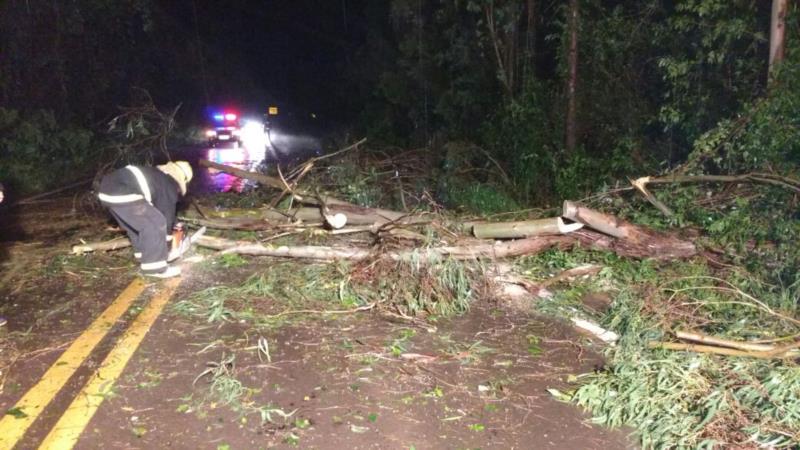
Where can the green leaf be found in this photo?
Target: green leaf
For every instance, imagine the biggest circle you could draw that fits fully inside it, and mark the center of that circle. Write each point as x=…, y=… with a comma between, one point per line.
x=17, y=412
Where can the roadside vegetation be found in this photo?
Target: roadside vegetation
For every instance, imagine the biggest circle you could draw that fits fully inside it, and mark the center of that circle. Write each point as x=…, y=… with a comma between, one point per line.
x=466, y=106
x=743, y=288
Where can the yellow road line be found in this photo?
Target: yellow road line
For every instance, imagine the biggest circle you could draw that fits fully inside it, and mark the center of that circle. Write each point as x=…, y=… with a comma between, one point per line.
x=66, y=432
x=39, y=396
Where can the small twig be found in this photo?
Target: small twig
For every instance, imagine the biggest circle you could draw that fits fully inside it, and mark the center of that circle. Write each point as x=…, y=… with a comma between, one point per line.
x=285, y=189
x=782, y=352
x=705, y=339
x=314, y=311
x=200, y=211
x=754, y=302
x=339, y=152
x=263, y=347
x=28, y=200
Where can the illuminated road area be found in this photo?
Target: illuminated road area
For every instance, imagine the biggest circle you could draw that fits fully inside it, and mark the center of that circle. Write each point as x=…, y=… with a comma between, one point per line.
x=259, y=149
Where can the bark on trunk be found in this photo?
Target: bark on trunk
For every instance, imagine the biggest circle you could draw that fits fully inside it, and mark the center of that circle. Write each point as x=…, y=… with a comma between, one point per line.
x=495, y=37
x=572, y=79
x=530, y=40
x=355, y=216
x=625, y=238
x=471, y=250
x=777, y=33
x=508, y=230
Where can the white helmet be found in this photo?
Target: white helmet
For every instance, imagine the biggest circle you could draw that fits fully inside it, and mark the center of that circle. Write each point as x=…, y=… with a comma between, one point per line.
x=180, y=171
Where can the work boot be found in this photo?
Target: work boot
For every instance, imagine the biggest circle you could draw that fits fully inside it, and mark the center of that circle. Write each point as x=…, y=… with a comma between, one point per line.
x=169, y=272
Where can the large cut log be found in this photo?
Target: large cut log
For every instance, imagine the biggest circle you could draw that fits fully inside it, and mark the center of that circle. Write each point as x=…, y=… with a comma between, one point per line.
x=619, y=236
x=625, y=238
x=510, y=230
x=470, y=250
x=475, y=249
x=658, y=247
x=265, y=218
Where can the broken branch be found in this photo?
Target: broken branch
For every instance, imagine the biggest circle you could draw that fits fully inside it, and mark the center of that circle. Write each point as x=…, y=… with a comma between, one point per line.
x=762, y=178
x=782, y=352
x=705, y=339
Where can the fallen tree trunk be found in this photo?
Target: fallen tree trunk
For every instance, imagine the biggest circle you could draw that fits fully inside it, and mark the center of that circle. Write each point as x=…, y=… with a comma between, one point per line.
x=469, y=250
x=266, y=218
x=655, y=247
x=631, y=240
x=473, y=250
x=619, y=236
x=540, y=227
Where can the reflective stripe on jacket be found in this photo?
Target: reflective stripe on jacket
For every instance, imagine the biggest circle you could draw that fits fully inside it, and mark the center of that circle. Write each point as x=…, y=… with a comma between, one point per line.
x=136, y=183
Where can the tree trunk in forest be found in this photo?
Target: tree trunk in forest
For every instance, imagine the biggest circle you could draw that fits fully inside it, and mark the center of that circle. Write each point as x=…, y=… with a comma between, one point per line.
x=530, y=41
x=572, y=78
x=495, y=37
x=777, y=33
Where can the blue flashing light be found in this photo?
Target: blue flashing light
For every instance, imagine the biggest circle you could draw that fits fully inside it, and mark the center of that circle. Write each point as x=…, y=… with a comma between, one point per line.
x=218, y=117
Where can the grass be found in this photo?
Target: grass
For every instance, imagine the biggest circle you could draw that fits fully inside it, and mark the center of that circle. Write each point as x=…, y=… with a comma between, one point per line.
x=431, y=288
x=684, y=400
x=687, y=400
x=439, y=288
x=286, y=284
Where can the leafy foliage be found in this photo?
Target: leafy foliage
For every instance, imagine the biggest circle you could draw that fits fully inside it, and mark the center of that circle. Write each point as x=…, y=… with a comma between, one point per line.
x=35, y=149
x=690, y=400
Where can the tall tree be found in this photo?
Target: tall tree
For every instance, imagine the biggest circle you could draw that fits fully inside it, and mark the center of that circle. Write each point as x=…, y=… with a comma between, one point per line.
x=530, y=39
x=777, y=32
x=572, y=78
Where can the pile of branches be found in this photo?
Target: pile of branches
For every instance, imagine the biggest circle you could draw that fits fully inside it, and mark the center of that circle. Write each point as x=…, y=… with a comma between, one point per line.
x=309, y=208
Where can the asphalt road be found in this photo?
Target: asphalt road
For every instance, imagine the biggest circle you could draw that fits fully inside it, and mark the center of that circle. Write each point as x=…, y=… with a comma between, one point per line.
x=254, y=153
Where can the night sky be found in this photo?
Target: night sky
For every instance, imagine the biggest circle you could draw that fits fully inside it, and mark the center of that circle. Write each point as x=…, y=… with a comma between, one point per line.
x=290, y=53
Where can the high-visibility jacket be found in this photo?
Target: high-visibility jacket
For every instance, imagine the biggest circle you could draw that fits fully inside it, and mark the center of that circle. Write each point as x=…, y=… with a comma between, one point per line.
x=140, y=183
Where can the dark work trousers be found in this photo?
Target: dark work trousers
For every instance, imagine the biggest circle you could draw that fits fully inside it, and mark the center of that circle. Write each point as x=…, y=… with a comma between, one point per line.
x=147, y=230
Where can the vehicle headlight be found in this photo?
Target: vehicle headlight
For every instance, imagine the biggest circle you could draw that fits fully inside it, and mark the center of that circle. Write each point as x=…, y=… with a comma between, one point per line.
x=211, y=133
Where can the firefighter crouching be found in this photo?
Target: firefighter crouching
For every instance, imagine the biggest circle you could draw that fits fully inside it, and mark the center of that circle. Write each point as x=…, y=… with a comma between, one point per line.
x=143, y=200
